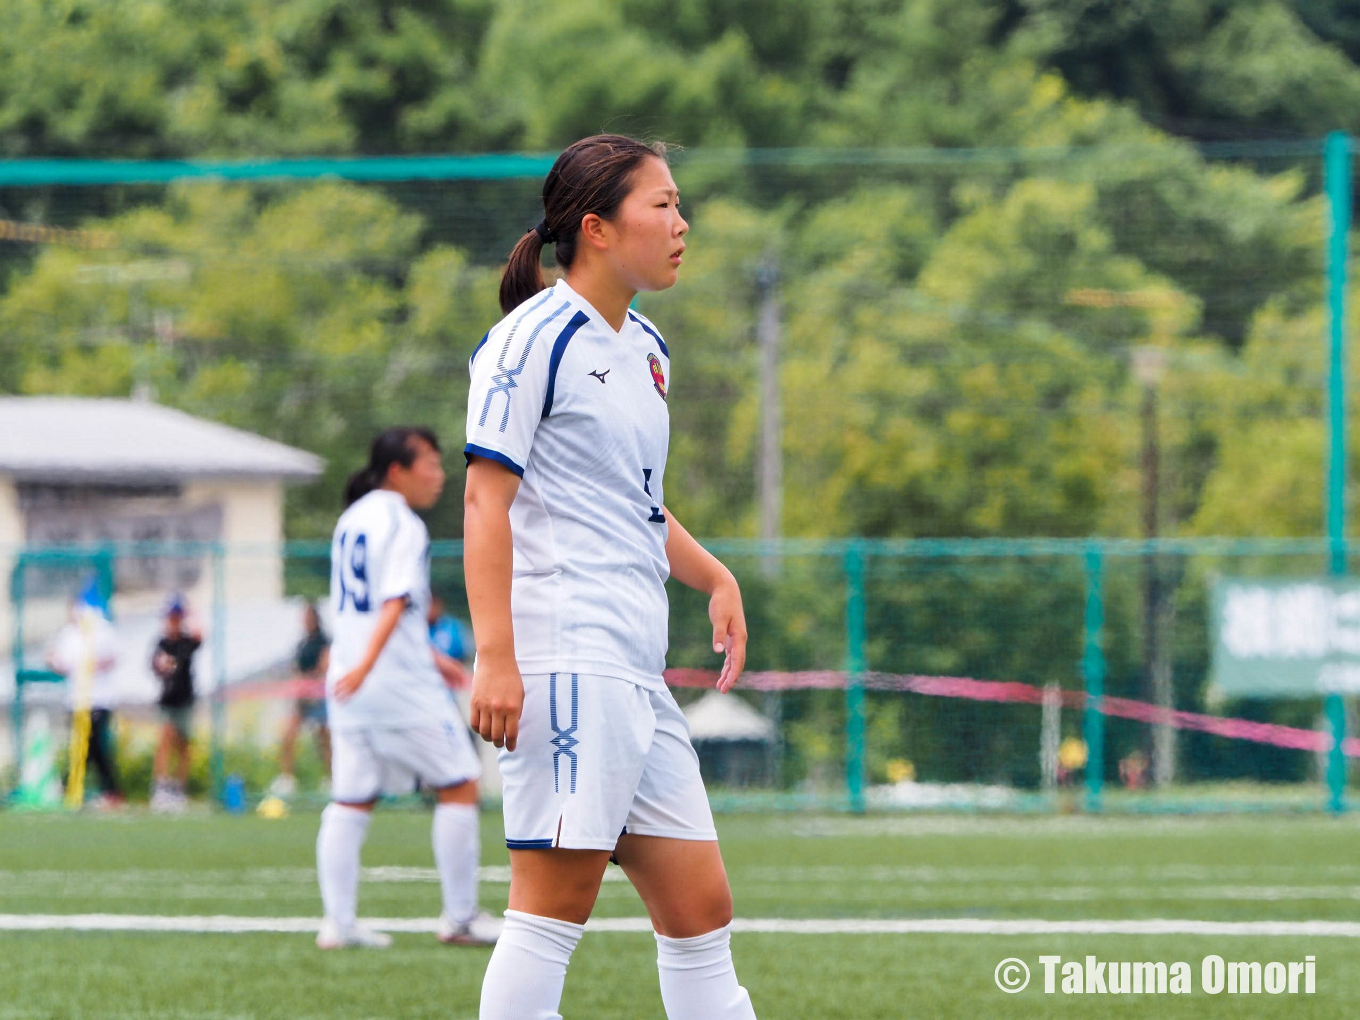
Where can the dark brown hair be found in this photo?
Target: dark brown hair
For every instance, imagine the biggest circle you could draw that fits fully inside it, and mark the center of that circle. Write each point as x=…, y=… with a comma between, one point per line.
x=391, y=446
x=593, y=175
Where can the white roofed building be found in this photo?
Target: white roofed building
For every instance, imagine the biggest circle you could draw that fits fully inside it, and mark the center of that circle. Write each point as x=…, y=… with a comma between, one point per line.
x=86, y=472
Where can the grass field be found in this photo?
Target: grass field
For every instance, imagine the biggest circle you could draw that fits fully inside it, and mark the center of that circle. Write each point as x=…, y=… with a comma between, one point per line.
x=904, y=868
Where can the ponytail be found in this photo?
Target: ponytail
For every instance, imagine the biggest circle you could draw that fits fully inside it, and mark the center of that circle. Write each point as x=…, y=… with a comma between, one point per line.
x=523, y=277
x=391, y=446
x=593, y=175
x=360, y=484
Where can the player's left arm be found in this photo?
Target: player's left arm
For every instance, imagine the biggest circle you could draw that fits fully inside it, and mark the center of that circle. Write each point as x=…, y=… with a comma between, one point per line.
x=695, y=567
x=388, y=616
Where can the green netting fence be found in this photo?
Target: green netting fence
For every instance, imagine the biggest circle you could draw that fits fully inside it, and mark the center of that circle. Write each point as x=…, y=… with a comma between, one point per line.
x=1137, y=340
x=942, y=675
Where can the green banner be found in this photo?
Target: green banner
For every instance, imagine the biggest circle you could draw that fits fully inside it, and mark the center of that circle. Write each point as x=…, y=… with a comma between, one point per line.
x=1287, y=638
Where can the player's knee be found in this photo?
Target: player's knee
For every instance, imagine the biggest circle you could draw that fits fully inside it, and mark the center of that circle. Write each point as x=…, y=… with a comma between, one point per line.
x=697, y=915
x=463, y=793
x=719, y=908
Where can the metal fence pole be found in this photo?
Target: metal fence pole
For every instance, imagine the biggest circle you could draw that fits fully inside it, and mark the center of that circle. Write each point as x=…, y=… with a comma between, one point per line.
x=17, y=655
x=219, y=701
x=1093, y=674
x=854, y=667
x=1337, y=173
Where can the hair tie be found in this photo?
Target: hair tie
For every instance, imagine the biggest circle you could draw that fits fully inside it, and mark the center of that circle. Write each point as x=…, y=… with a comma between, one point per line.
x=545, y=232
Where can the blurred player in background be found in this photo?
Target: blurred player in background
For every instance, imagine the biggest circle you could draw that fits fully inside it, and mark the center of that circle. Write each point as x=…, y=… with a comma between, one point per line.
x=568, y=546
x=452, y=645
x=85, y=652
x=309, y=662
x=172, y=661
x=390, y=711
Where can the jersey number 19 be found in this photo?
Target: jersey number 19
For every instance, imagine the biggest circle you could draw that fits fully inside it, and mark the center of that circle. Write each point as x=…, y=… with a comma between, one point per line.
x=349, y=571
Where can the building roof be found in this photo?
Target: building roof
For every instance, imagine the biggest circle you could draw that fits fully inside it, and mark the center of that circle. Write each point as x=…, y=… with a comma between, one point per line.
x=724, y=717
x=73, y=439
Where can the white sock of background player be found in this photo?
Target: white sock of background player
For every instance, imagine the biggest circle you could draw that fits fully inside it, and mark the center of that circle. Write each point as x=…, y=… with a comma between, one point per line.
x=342, y=834
x=456, y=835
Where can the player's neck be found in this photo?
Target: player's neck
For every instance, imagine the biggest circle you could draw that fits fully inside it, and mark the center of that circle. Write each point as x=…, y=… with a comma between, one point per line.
x=388, y=487
x=606, y=294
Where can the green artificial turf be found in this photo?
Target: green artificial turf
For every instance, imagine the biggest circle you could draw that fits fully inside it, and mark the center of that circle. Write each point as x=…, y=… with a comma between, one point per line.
x=1262, y=868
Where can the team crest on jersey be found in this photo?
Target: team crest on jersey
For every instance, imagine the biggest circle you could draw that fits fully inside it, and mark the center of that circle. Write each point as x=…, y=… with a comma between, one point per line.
x=658, y=377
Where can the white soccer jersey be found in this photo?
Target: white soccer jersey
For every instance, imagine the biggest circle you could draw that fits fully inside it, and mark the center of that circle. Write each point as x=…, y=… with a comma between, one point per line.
x=578, y=411
x=76, y=646
x=381, y=551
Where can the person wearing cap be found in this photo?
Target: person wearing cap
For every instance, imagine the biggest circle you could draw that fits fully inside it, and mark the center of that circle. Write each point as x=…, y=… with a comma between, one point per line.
x=85, y=652
x=173, y=664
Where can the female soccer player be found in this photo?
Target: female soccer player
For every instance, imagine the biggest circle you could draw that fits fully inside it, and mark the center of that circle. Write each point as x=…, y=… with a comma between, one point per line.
x=390, y=713
x=568, y=545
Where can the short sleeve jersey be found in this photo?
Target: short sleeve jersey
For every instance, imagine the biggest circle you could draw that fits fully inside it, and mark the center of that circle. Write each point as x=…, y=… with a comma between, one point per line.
x=96, y=644
x=381, y=552
x=578, y=411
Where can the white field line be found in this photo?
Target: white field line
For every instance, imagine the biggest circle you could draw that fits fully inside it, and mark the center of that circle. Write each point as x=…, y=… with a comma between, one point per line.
x=919, y=884
x=220, y=924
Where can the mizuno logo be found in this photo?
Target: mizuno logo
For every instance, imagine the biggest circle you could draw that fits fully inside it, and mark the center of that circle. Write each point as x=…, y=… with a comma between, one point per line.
x=600, y=375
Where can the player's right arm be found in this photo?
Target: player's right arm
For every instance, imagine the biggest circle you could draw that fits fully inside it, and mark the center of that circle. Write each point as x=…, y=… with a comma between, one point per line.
x=488, y=557
x=388, y=617
x=506, y=401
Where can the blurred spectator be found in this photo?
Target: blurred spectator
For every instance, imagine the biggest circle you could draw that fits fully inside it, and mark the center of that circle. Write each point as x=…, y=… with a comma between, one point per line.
x=173, y=663
x=1133, y=769
x=310, y=662
x=85, y=652
x=452, y=645
x=1072, y=757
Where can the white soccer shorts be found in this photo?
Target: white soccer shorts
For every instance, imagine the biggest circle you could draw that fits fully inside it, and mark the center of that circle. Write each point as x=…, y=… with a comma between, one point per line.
x=597, y=757
x=367, y=763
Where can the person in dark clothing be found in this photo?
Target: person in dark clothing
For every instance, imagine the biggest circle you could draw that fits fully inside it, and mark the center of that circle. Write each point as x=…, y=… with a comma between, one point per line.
x=173, y=664
x=310, y=661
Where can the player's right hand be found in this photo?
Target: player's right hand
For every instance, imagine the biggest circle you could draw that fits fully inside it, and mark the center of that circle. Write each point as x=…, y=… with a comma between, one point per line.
x=348, y=685
x=497, y=700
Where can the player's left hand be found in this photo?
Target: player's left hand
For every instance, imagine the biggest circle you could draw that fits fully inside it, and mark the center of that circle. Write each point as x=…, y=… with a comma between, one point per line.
x=348, y=684
x=729, y=632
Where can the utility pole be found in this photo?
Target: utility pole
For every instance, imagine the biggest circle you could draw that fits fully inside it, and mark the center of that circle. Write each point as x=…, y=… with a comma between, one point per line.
x=770, y=470
x=1149, y=365
x=770, y=474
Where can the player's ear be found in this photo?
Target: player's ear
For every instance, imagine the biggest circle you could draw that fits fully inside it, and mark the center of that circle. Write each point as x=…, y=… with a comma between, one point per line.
x=595, y=231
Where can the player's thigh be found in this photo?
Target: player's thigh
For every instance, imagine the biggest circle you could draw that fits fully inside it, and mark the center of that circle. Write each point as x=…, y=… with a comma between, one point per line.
x=440, y=755
x=572, y=778
x=557, y=883
x=670, y=849
x=682, y=883
x=356, y=768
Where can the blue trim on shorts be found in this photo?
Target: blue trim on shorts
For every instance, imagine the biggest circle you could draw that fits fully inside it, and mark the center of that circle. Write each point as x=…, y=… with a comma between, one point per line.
x=528, y=844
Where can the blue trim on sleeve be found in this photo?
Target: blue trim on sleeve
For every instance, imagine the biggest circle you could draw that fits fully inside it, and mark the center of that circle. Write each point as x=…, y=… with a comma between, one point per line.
x=478, y=349
x=655, y=335
x=560, y=348
x=473, y=450
x=529, y=844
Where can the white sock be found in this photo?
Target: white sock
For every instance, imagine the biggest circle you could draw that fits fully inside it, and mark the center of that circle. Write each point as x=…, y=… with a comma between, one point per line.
x=528, y=968
x=337, y=860
x=698, y=981
x=457, y=850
